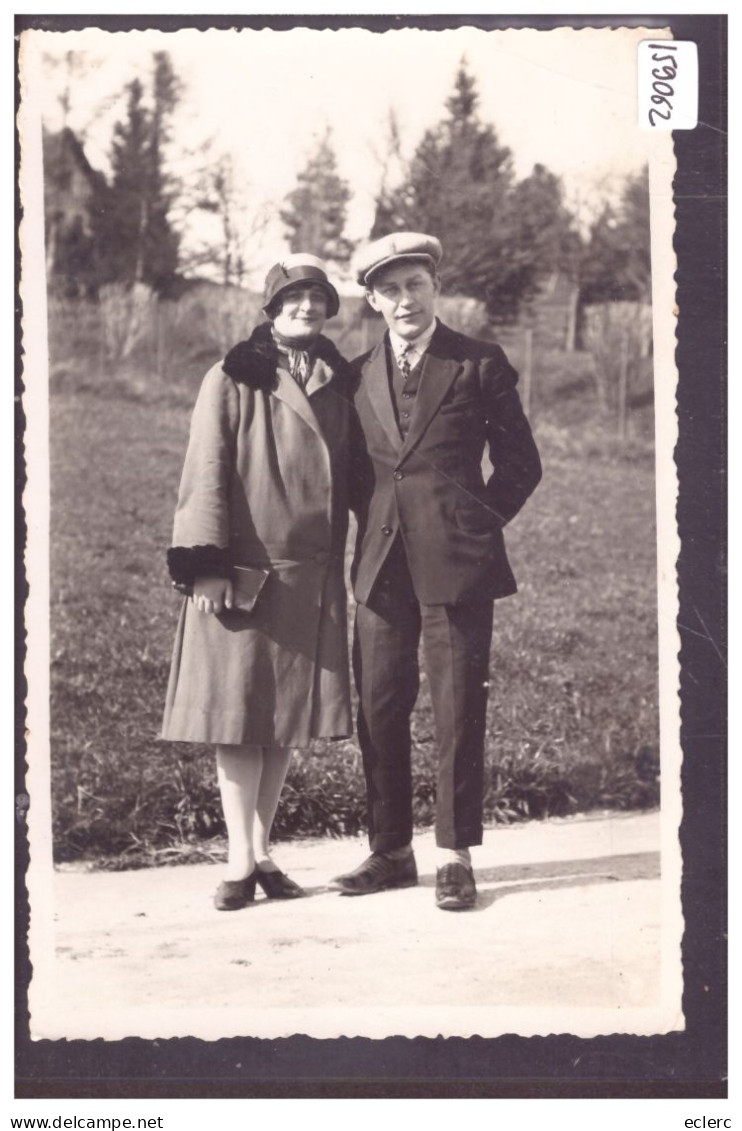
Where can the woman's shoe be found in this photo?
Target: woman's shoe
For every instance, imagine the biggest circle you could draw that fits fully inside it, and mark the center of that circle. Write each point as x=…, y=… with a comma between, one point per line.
x=277, y=885
x=231, y=895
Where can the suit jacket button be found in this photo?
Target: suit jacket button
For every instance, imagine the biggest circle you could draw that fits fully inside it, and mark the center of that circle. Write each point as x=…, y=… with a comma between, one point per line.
x=399, y=475
x=386, y=529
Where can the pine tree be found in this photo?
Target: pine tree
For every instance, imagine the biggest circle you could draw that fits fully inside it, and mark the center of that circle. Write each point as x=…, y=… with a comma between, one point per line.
x=159, y=252
x=124, y=201
x=500, y=239
x=315, y=210
x=138, y=243
x=544, y=226
x=458, y=188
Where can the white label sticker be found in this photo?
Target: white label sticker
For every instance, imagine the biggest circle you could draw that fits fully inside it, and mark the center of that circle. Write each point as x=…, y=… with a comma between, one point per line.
x=668, y=84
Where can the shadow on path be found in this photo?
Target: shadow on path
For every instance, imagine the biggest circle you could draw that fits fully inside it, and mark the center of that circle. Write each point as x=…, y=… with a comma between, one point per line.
x=524, y=879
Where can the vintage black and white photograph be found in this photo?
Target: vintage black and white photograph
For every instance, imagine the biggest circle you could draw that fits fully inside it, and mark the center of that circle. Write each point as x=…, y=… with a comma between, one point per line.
x=352, y=661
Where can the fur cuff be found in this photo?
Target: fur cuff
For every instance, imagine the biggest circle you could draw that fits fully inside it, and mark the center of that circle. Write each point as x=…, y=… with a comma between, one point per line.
x=186, y=563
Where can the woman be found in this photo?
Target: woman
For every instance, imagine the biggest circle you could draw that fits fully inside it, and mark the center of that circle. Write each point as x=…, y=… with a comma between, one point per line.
x=260, y=663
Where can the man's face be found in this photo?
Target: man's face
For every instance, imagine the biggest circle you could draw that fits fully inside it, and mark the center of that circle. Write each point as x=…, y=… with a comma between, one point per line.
x=303, y=312
x=405, y=295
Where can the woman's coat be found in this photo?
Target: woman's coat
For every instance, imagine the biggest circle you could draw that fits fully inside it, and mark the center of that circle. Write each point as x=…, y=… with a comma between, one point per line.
x=264, y=485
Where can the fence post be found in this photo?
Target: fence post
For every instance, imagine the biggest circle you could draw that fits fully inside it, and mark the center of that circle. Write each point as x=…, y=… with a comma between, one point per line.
x=159, y=326
x=570, y=341
x=527, y=369
x=623, y=374
x=102, y=344
x=601, y=355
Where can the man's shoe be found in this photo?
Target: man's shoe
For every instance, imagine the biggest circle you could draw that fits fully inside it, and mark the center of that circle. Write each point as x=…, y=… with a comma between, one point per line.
x=378, y=873
x=455, y=889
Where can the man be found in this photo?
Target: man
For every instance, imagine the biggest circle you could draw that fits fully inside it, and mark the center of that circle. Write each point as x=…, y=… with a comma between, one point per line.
x=430, y=558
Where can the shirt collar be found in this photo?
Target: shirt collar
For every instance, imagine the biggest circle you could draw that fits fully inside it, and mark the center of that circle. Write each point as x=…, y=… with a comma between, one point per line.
x=417, y=346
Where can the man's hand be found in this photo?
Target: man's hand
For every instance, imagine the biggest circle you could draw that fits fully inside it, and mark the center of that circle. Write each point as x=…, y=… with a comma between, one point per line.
x=212, y=594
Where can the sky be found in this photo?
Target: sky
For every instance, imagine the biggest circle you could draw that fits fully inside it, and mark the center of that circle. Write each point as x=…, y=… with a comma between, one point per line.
x=565, y=98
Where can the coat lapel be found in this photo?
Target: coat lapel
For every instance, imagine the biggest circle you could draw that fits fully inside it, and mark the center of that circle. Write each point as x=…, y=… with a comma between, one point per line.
x=289, y=392
x=320, y=376
x=376, y=381
x=437, y=376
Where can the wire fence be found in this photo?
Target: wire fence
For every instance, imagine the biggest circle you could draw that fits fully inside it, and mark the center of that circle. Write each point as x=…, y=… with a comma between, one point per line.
x=132, y=331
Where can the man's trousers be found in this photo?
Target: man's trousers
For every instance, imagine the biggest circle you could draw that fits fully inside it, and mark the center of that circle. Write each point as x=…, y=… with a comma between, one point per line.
x=456, y=645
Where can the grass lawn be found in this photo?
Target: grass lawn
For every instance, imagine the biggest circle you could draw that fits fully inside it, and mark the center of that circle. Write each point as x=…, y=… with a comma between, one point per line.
x=572, y=721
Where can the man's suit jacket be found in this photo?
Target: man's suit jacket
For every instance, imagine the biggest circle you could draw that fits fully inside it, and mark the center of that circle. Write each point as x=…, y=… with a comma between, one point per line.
x=430, y=488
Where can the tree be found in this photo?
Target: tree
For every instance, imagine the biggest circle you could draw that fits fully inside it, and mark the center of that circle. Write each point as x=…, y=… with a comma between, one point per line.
x=138, y=243
x=315, y=210
x=545, y=228
x=501, y=239
x=458, y=187
x=219, y=197
x=158, y=250
x=616, y=267
x=637, y=236
x=617, y=261
x=391, y=163
x=231, y=224
x=73, y=65
x=548, y=238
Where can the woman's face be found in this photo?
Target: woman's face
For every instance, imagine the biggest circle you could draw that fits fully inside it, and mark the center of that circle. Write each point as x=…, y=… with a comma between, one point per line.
x=303, y=312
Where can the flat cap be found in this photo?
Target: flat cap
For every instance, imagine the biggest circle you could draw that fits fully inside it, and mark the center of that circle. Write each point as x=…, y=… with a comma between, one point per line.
x=398, y=245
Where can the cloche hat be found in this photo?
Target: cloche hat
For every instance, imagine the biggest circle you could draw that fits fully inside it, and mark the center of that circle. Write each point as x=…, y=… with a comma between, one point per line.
x=298, y=268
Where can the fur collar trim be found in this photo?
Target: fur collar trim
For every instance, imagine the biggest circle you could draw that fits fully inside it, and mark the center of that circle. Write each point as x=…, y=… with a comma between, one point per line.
x=254, y=362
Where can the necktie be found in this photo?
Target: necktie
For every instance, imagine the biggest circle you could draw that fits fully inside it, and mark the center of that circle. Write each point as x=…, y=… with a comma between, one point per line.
x=404, y=361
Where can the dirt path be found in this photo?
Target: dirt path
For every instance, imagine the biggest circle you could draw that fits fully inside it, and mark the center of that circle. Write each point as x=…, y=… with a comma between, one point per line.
x=566, y=937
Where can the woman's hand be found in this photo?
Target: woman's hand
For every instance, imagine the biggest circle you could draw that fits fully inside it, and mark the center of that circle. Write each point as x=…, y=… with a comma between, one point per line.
x=212, y=594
